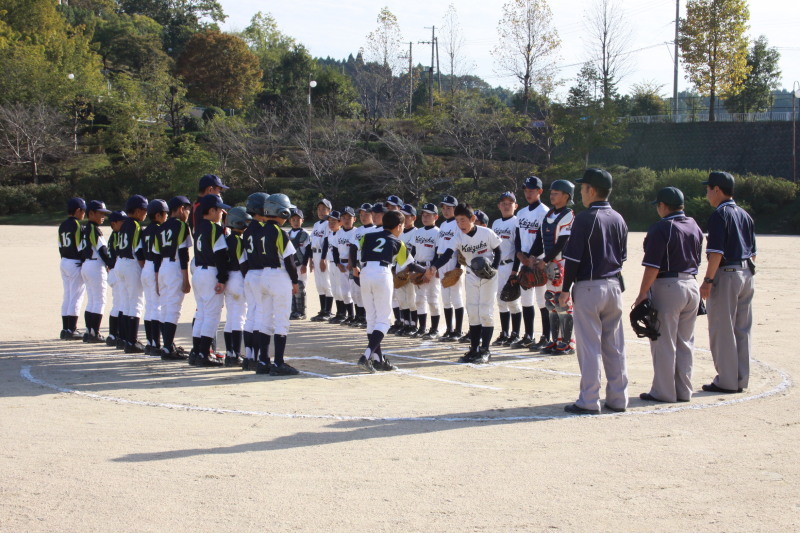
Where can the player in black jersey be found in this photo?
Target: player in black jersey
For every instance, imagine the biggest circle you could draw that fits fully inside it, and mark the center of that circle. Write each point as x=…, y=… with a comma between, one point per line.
x=69, y=238
x=130, y=260
x=235, y=303
x=115, y=219
x=157, y=212
x=94, y=271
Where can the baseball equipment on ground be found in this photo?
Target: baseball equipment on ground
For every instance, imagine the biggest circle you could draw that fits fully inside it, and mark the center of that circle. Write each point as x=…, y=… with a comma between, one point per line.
x=461, y=259
x=531, y=277
x=481, y=267
x=452, y=277
x=255, y=203
x=277, y=205
x=238, y=218
x=644, y=320
x=554, y=271
x=511, y=290
x=401, y=279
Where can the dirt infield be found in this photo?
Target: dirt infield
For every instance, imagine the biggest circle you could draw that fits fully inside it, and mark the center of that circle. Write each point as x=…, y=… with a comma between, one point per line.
x=95, y=440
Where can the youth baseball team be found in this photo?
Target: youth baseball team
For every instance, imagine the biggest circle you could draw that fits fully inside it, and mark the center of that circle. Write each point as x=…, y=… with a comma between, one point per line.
x=387, y=274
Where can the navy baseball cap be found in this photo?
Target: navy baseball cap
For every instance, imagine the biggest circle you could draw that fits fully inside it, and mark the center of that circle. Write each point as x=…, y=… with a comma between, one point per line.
x=532, y=182
x=377, y=207
x=117, y=216
x=157, y=206
x=365, y=207
x=671, y=196
x=449, y=200
x=178, y=201
x=336, y=215
x=430, y=208
x=394, y=200
x=211, y=180
x=482, y=217
x=212, y=201
x=723, y=180
x=597, y=178
x=296, y=212
x=348, y=211
x=325, y=202
x=409, y=210
x=74, y=204
x=137, y=201
x=508, y=194
x=97, y=205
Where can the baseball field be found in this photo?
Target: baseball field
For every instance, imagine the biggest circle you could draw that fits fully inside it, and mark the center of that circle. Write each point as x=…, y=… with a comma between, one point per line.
x=96, y=440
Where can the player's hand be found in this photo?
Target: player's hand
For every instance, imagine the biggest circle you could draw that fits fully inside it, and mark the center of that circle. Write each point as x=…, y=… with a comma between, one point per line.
x=295, y=288
x=540, y=265
x=342, y=268
x=356, y=272
x=219, y=288
x=639, y=299
x=429, y=274
x=705, y=290
x=563, y=299
x=186, y=288
x=323, y=265
x=303, y=269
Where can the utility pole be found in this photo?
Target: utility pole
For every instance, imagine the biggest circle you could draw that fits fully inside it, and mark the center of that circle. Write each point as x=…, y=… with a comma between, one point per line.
x=410, y=77
x=675, y=78
x=438, y=70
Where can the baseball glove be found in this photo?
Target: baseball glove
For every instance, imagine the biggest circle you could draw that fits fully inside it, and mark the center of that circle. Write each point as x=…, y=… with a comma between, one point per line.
x=452, y=277
x=531, y=277
x=401, y=279
x=461, y=259
x=417, y=278
x=510, y=290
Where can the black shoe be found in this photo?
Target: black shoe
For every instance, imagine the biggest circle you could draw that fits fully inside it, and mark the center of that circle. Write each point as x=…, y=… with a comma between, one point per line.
x=511, y=340
x=76, y=335
x=464, y=339
x=249, y=364
x=470, y=356
x=135, y=347
x=417, y=334
x=212, y=360
x=646, y=396
x=173, y=354
x=295, y=316
x=283, y=370
x=445, y=337
x=64, y=334
x=233, y=360
x=543, y=341
x=548, y=349
x=524, y=342
x=392, y=329
x=453, y=337
x=86, y=337
x=93, y=339
x=263, y=368
x=337, y=319
x=366, y=364
x=363, y=323
x=500, y=340
x=347, y=321
x=148, y=349
x=385, y=365
x=319, y=317
x=484, y=356
x=193, y=358
x=111, y=340
x=563, y=348
x=432, y=335
x=712, y=387
x=615, y=409
x=574, y=409
x=120, y=344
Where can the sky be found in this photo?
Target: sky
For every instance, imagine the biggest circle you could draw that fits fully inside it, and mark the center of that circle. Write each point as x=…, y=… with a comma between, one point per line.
x=338, y=28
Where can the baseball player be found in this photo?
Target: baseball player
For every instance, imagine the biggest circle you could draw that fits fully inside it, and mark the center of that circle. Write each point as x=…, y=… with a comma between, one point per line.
x=594, y=254
x=379, y=251
x=157, y=212
x=209, y=280
x=728, y=286
x=235, y=303
x=209, y=184
x=406, y=295
x=69, y=238
x=171, y=246
x=550, y=241
x=319, y=263
x=475, y=242
x=130, y=260
x=672, y=251
x=506, y=229
x=252, y=266
x=365, y=217
x=115, y=219
x=529, y=220
x=424, y=242
x=94, y=270
x=340, y=247
x=300, y=240
x=451, y=296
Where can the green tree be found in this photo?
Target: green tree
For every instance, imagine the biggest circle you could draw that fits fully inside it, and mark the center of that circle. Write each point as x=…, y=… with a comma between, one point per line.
x=646, y=100
x=763, y=78
x=714, y=47
x=130, y=43
x=219, y=69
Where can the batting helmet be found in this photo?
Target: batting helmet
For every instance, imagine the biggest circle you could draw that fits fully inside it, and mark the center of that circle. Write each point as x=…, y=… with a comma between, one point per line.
x=255, y=203
x=564, y=186
x=644, y=320
x=481, y=267
x=278, y=205
x=238, y=218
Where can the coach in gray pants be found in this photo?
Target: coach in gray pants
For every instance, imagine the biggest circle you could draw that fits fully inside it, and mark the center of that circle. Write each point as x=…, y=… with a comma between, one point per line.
x=672, y=251
x=594, y=254
x=728, y=286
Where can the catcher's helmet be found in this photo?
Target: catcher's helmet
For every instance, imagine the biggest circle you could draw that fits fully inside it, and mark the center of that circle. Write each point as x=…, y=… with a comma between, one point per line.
x=255, y=203
x=481, y=267
x=644, y=320
x=238, y=218
x=277, y=205
x=564, y=186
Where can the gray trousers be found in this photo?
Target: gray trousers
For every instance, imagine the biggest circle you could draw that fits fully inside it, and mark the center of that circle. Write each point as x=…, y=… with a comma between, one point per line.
x=676, y=300
x=597, y=310
x=730, y=320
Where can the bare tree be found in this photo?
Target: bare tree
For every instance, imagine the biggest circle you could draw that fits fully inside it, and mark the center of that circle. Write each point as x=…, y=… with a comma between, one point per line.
x=406, y=165
x=453, y=44
x=30, y=133
x=380, y=91
x=608, y=39
x=528, y=45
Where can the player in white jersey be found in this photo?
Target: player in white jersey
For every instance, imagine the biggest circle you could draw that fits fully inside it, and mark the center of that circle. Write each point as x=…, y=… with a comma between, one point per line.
x=452, y=300
x=301, y=241
x=406, y=295
x=529, y=220
x=475, y=243
x=340, y=246
x=364, y=213
x=506, y=228
x=319, y=262
x=424, y=244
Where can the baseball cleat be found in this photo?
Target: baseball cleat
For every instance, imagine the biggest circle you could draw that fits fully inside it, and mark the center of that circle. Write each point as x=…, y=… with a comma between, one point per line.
x=336, y=319
x=93, y=339
x=500, y=340
x=211, y=360
x=464, y=339
x=173, y=354
x=417, y=333
x=577, y=410
x=193, y=358
x=385, y=365
x=511, y=339
x=134, y=347
x=366, y=364
x=76, y=335
x=524, y=342
x=249, y=364
x=283, y=370
x=319, y=317
x=543, y=341
x=432, y=335
x=262, y=368
x=111, y=340
x=549, y=348
x=233, y=360
x=484, y=355
x=563, y=348
x=121, y=344
x=64, y=334
x=469, y=356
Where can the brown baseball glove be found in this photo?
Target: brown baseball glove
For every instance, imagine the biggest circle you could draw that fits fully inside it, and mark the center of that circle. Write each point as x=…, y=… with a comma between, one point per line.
x=417, y=278
x=461, y=259
x=401, y=279
x=531, y=277
x=452, y=277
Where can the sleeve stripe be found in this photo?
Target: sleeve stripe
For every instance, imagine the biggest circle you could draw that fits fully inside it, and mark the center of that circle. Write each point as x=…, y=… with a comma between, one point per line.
x=572, y=259
x=650, y=265
x=711, y=251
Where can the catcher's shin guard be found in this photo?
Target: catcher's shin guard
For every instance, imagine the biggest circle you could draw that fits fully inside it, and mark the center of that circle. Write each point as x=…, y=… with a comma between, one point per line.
x=555, y=320
x=566, y=326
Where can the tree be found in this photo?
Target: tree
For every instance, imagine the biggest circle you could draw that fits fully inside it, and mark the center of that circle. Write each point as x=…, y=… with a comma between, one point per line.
x=29, y=133
x=375, y=79
x=608, y=41
x=219, y=70
x=528, y=45
x=714, y=47
x=646, y=100
x=763, y=78
x=453, y=44
x=406, y=165
x=130, y=43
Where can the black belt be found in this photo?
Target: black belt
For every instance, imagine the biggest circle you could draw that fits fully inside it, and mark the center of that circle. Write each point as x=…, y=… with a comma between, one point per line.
x=422, y=263
x=91, y=259
x=382, y=263
x=616, y=276
x=742, y=263
x=672, y=274
x=507, y=261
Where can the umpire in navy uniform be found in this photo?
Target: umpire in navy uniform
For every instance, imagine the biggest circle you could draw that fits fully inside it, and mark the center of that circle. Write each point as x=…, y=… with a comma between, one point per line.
x=594, y=255
x=728, y=286
x=672, y=251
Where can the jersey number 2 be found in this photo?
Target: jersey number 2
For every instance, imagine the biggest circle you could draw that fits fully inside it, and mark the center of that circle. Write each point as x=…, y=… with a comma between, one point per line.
x=379, y=244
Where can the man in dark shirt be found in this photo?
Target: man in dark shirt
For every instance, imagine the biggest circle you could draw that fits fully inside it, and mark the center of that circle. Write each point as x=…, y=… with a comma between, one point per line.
x=594, y=254
x=69, y=238
x=130, y=260
x=728, y=286
x=671, y=256
x=209, y=184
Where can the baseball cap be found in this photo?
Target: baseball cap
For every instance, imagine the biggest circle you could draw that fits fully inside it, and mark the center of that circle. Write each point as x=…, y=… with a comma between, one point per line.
x=670, y=196
x=296, y=212
x=117, y=216
x=75, y=203
x=97, y=205
x=336, y=215
x=482, y=217
x=137, y=201
x=596, y=177
x=393, y=199
x=377, y=207
x=532, y=182
x=211, y=180
x=723, y=180
x=348, y=211
x=176, y=202
x=430, y=208
x=449, y=200
x=157, y=206
x=409, y=210
x=325, y=202
x=365, y=207
x=508, y=194
x=211, y=201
